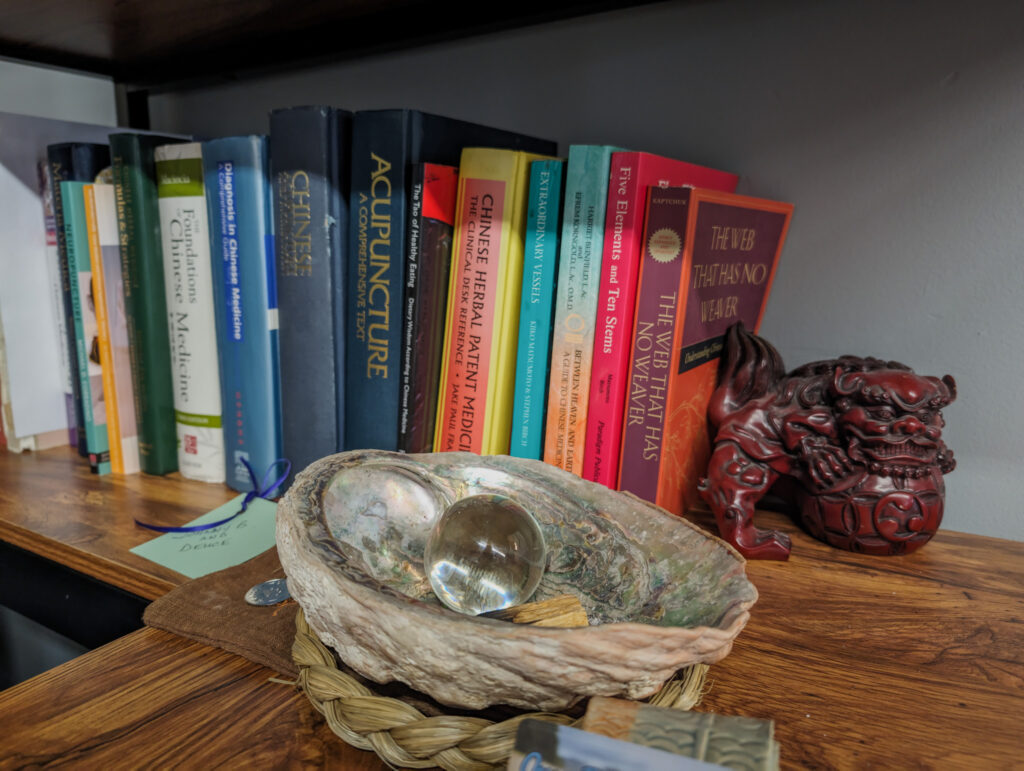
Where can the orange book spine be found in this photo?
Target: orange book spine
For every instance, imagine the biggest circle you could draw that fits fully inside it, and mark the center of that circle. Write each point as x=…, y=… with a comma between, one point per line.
x=472, y=299
x=99, y=298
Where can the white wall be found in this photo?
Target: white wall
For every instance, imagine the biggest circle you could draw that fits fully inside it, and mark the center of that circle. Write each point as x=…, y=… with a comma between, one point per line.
x=45, y=92
x=897, y=129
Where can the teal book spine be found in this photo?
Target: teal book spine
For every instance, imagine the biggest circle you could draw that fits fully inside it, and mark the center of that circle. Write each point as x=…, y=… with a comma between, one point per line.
x=90, y=375
x=540, y=269
x=579, y=275
x=238, y=197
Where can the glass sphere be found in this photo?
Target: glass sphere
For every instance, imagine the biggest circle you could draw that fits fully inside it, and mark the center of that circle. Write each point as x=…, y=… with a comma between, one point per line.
x=485, y=552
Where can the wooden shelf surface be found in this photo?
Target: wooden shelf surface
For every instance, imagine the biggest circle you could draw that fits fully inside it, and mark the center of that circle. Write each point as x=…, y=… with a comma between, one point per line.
x=154, y=700
x=861, y=661
x=51, y=505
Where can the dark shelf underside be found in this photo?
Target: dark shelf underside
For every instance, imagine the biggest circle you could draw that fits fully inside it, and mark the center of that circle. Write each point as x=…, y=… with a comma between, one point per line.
x=161, y=44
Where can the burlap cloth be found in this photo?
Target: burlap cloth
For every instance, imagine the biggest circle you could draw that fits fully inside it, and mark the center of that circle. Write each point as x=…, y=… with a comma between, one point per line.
x=212, y=610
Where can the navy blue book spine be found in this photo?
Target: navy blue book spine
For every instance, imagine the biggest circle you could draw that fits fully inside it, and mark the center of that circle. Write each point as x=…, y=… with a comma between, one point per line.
x=73, y=162
x=385, y=143
x=309, y=160
x=380, y=151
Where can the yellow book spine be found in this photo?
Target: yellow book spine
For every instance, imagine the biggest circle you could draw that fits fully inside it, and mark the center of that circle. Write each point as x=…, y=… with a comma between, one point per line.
x=501, y=391
x=478, y=357
x=103, y=331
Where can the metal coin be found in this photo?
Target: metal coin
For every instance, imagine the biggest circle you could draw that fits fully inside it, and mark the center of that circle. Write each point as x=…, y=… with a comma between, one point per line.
x=268, y=593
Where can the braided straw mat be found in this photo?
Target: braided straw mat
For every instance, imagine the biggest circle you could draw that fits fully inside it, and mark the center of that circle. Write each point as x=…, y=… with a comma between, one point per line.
x=404, y=736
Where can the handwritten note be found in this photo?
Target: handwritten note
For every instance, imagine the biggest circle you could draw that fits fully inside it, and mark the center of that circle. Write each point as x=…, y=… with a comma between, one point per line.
x=207, y=551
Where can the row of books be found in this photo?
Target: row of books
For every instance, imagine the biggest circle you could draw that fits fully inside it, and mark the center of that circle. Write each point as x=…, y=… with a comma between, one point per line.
x=397, y=280
x=588, y=301
x=164, y=371
x=237, y=322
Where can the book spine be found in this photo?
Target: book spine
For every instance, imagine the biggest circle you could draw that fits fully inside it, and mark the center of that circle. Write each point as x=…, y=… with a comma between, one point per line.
x=6, y=415
x=510, y=287
x=414, y=225
x=99, y=300
x=536, y=308
x=188, y=283
x=59, y=162
x=579, y=271
x=658, y=290
x=90, y=375
x=475, y=402
x=380, y=159
x=127, y=435
x=431, y=223
x=731, y=255
x=241, y=245
x=472, y=299
x=309, y=157
x=56, y=295
x=145, y=300
x=632, y=173
x=613, y=330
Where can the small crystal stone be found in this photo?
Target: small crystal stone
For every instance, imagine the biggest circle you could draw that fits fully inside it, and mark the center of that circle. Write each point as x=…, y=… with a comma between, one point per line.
x=486, y=552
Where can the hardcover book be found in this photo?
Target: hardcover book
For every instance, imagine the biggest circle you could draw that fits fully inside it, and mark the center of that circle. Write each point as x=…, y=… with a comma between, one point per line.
x=431, y=226
x=631, y=174
x=145, y=300
x=709, y=261
x=83, y=313
x=477, y=375
x=309, y=160
x=579, y=271
x=108, y=297
x=191, y=324
x=53, y=271
x=540, y=268
x=385, y=144
x=73, y=162
x=242, y=246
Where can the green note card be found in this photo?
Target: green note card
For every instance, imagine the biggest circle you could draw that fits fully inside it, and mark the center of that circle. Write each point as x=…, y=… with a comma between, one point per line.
x=207, y=551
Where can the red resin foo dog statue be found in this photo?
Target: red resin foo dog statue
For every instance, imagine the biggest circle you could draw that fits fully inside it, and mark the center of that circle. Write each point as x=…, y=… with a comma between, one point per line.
x=855, y=443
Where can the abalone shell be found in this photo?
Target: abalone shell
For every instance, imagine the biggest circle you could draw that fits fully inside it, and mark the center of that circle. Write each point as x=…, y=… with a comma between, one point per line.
x=660, y=592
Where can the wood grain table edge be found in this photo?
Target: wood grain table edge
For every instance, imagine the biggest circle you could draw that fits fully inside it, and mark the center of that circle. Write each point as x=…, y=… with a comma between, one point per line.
x=118, y=574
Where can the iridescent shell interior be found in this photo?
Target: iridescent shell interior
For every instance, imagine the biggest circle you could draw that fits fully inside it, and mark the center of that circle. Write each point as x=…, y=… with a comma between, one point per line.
x=625, y=564
x=356, y=524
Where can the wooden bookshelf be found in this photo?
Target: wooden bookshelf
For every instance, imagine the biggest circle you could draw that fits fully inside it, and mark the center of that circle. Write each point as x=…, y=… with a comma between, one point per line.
x=861, y=661
x=161, y=44
x=52, y=506
x=899, y=662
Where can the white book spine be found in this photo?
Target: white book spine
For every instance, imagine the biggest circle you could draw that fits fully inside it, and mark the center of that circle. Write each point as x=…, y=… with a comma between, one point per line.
x=188, y=279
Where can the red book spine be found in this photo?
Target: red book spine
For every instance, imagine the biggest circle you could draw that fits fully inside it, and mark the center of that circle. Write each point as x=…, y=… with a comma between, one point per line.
x=631, y=174
x=654, y=330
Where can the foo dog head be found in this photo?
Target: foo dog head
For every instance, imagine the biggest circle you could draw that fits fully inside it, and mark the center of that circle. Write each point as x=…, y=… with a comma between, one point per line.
x=855, y=442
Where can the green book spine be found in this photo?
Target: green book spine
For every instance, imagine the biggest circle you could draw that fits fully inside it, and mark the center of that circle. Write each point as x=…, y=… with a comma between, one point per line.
x=90, y=373
x=138, y=222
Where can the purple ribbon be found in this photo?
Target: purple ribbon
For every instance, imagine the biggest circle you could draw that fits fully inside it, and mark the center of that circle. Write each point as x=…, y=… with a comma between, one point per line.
x=262, y=489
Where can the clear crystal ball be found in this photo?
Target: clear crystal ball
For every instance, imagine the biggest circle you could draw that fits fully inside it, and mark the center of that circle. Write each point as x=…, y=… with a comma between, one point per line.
x=485, y=552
